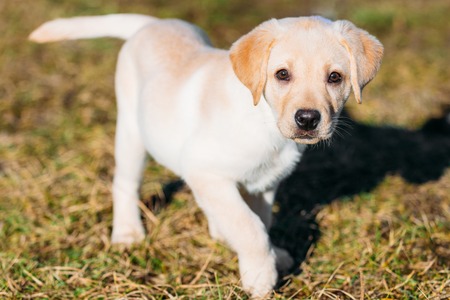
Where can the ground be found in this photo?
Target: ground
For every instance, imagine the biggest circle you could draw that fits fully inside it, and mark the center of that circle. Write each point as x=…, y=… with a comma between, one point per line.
x=365, y=218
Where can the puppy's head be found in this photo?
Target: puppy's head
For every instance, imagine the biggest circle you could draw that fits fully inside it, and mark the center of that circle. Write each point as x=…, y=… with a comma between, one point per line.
x=305, y=68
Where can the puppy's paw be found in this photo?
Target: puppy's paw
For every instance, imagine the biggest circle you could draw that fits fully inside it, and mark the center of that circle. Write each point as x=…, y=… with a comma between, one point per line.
x=259, y=276
x=284, y=260
x=127, y=234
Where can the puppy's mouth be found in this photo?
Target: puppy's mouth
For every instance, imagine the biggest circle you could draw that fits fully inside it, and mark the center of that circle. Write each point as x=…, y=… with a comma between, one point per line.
x=306, y=139
x=310, y=137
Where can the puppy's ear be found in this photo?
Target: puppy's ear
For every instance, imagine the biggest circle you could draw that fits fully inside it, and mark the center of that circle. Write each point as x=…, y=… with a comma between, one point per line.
x=365, y=53
x=249, y=56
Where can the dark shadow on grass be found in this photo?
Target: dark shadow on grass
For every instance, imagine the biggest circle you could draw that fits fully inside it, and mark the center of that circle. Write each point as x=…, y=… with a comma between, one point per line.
x=356, y=163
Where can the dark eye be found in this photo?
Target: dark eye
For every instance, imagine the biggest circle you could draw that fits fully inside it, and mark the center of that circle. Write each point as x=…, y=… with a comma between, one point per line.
x=335, y=77
x=283, y=74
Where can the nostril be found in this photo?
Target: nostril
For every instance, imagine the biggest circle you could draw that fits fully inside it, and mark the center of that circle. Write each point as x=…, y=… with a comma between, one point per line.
x=307, y=119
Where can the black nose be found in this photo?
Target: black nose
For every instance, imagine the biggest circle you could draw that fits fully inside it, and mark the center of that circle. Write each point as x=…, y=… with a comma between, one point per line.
x=307, y=119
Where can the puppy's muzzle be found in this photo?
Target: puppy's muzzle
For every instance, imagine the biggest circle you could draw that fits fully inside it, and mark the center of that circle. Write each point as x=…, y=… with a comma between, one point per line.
x=307, y=119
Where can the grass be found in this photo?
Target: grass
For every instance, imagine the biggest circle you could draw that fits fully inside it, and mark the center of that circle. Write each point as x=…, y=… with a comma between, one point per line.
x=367, y=218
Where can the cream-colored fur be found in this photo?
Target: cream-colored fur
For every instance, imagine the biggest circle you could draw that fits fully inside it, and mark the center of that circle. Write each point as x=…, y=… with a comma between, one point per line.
x=222, y=120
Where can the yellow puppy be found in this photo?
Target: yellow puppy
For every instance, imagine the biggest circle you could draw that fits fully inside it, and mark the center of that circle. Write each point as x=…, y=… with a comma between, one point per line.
x=227, y=122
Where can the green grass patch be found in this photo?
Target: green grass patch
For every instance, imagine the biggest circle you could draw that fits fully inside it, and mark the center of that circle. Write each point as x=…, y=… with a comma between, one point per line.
x=388, y=240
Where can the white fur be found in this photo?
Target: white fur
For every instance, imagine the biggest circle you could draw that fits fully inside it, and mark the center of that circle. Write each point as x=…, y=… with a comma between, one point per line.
x=183, y=102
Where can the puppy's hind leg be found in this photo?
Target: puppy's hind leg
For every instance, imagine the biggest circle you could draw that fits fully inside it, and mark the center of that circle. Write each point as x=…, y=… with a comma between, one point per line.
x=130, y=157
x=130, y=160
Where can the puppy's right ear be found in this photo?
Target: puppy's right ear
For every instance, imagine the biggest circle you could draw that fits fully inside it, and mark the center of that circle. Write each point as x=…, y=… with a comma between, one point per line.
x=249, y=56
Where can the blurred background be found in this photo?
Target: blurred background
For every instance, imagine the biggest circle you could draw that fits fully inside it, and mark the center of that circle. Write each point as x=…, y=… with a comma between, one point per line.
x=367, y=217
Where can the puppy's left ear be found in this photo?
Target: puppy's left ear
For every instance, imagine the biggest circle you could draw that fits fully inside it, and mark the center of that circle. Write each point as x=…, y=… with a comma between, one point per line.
x=365, y=53
x=249, y=56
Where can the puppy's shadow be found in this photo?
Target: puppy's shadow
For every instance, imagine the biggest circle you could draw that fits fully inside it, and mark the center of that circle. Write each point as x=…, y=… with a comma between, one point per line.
x=356, y=163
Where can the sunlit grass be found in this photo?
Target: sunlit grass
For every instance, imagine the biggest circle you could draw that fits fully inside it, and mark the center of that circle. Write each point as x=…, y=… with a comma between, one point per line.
x=57, y=125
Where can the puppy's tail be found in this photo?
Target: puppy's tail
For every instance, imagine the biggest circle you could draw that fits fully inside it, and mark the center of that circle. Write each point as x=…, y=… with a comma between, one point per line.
x=121, y=26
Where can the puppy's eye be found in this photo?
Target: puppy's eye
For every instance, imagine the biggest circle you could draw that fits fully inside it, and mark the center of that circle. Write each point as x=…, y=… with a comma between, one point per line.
x=335, y=77
x=283, y=74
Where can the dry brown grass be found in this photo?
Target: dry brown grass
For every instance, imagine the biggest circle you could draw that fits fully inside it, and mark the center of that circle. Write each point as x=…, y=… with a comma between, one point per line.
x=367, y=218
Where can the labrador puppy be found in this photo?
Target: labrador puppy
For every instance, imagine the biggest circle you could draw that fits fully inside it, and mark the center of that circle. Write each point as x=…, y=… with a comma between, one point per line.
x=232, y=123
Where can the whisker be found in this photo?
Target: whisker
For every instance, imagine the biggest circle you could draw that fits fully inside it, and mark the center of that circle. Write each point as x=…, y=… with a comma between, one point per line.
x=346, y=125
x=345, y=121
x=343, y=130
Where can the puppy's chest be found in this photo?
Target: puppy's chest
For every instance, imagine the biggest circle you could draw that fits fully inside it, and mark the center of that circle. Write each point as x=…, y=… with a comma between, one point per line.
x=275, y=166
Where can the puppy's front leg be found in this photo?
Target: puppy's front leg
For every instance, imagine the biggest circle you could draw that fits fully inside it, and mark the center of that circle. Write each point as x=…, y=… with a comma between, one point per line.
x=241, y=228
